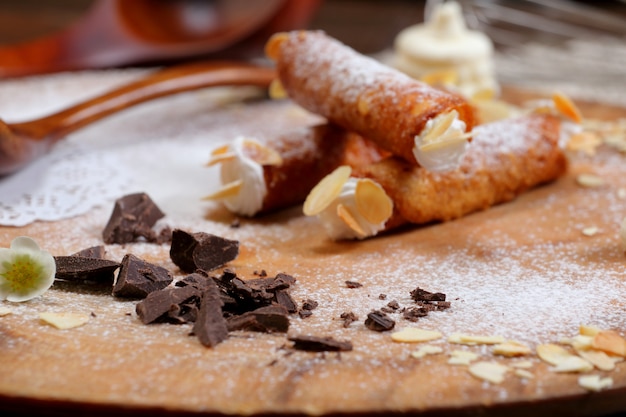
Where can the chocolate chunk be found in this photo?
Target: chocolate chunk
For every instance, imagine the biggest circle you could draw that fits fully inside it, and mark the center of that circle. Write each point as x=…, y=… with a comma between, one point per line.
x=353, y=284
x=79, y=268
x=319, y=344
x=157, y=305
x=268, y=319
x=348, y=318
x=379, y=322
x=394, y=305
x=309, y=304
x=92, y=252
x=201, y=251
x=133, y=216
x=305, y=314
x=138, y=278
x=210, y=326
x=414, y=313
x=419, y=294
x=283, y=298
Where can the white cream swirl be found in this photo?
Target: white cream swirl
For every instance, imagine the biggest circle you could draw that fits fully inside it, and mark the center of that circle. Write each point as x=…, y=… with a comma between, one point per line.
x=442, y=144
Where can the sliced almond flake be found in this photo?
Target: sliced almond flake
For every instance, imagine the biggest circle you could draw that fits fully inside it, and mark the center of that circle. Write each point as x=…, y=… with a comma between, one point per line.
x=64, y=320
x=523, y=373
x=220, y=158
x=323, y=194
x=590, y=231
x=466, y=339
x=521, y=364
x=589, y=180
x=426, y=350
x=573, y=364
x=229, y=190
x=276, y=90
x=553, y=354
x=462, y=357
x=598, y=358
x=415, y=335
x=566, y=107
x=578, y=342
x=595, y=382
x=489, y=371
x=511, y=349
x=262, y=154
x=220, y=150
x=346, y=215
x=610, y=342
x=588, y=330
x=372, y=202
x=586, y=142
x=5, y=311
x=272, y=47
x=440, y=125
x=445, y=141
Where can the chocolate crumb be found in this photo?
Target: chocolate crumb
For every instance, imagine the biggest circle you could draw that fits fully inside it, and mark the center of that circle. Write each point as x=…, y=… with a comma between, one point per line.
x=443, y=305
x=201, y=251
x=80, y=268
x=235, y=224
x=133, y=216
x=353, y=284
x=382, y=296
x=419, y=294
x=348, y=318
x=414, y=313
x=319, y=344
x=394, y=305
x=378, y=321
x=309, y=304
x=138, y=278
x=305, y=314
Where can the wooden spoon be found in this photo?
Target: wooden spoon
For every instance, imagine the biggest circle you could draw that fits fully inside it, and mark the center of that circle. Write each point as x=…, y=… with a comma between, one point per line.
x=21, y=143
x=121, y=32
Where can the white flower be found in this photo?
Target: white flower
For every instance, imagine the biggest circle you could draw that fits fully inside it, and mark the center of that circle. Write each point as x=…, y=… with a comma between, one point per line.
x=25, y=270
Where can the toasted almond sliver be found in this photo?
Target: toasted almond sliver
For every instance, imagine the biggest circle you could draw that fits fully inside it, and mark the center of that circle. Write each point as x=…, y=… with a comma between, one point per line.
x=220, y=150
x=489, y=371
x=595, y=382
x=523, y=373
x=465, y=339
x=566, y=107
x=573, y=364
x=372, y=202
x=446, y=141
x=462, y=357
x=229, y=190
x=610, y=342
x=64, y=320
x=521, y=364
x=346, y=215
x=578, y=342
x=590, y=231
x=272, y=47
x=553, y=354
x=221, y=157
x=323, y=194
x=588, y=330
x=415, y=335
x=276, y=90
x=262, y=154
x=511, y=349
x=586, y=142
x=589, y=180
x=598, y=358
x=440, y=125
x=426, y=350
x=5, y=311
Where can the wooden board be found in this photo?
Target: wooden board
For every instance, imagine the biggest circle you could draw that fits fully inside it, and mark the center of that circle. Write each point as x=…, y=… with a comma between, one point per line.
x=523, y=270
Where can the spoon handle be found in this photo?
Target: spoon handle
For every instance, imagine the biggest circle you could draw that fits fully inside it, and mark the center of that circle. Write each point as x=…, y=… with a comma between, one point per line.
x=54, y=127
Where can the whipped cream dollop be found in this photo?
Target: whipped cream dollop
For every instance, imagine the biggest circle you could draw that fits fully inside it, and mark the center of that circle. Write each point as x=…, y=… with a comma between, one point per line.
x=442, y=143
x=336, y=227
x=442, y=50
x=243, y=177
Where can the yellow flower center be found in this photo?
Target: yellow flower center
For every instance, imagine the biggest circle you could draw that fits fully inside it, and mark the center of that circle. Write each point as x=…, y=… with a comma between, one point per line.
x=23, y=273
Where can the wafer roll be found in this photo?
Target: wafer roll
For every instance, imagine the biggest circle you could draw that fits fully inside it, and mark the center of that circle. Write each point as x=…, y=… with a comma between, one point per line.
x=261, y=177
x=505, y=159
x=361, y=94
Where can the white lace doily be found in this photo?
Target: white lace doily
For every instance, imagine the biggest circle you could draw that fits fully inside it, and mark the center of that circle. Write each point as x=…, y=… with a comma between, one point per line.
x=161, y=147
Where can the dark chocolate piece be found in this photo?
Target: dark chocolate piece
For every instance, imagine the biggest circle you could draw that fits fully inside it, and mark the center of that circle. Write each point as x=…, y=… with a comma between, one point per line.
x=92, y=252
x=79, y=268
x=138, y=278
x=394, y=305
x=283, y=298
x=133, y=216
x=415, y=313
x=157, y=305
x=379, y=322
x=268, y=319
x=353, y=284
x=309, y=304
x=348, y=318
x=419, y=294
x=210, y=326
x=305, y=314
x=319, y=344
x=201, y=251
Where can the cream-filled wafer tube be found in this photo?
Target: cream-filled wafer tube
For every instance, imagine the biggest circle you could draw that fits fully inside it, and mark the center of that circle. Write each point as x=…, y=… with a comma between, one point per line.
x=262, y=176
x=409, y=118
x=505, y=159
